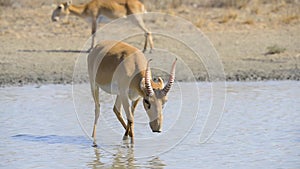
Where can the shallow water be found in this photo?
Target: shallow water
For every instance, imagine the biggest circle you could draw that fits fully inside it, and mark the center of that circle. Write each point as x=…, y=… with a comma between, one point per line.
x=260, y=127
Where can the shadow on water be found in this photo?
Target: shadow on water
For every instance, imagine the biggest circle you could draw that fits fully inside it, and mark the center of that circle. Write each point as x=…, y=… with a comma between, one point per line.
x=53, y=51
x=54, y=139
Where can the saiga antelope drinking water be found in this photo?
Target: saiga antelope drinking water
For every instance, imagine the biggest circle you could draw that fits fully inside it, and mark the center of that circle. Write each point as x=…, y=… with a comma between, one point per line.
x=110, y=8
x=122, y=70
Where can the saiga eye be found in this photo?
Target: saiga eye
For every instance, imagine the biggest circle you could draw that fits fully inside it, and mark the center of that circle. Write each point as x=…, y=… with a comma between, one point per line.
x=148, y=103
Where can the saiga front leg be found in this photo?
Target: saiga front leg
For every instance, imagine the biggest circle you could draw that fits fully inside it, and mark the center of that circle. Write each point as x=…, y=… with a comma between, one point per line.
x=95, y=93
x=129, y=129
x=117, y=110
x=130, y=118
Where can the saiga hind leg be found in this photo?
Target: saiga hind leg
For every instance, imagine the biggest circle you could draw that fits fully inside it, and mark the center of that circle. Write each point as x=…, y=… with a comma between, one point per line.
x=94, y=30
x=138, y=20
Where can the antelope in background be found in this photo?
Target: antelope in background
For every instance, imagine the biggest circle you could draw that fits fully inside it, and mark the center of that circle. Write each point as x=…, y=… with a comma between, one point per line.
x=110, y=8
x=122, y=70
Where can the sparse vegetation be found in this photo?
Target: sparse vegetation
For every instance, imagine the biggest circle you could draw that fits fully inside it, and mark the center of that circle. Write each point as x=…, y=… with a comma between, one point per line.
x=200, y=22
x=278, y=7
x=230, y=16
x=255, y=10
x=250, y=29
x=274, y=49
x=162, y=4
x=289, y=19
x=209, y=14
x=249, y=22
x=228, y=3
x=5, y=2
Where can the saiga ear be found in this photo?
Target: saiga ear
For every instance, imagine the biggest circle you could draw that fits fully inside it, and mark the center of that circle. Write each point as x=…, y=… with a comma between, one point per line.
x=160, y=82
x=69, y=2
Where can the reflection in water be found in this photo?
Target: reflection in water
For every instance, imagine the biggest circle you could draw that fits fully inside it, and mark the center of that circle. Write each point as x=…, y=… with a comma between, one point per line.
x=156, y=163
x=96, y=163
x=124, y=158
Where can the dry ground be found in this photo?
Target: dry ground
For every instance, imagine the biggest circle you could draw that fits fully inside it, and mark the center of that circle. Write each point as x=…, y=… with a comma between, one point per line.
x=255, y=40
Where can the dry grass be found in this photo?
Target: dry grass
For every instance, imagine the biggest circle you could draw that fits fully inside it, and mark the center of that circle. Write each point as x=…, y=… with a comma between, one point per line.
x=255, y=10
x=162, y=4
x=231, y=15
x=278, y=7
x=248, y=22
x=204, y=13
x=26, y=3
x=239, y=4
x=6, y=3
x=274, y=49
x=200, y=22
x=289, y=19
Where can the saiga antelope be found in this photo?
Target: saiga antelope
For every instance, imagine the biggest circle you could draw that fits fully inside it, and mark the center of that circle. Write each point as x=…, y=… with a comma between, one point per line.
x=122, y=70
x=110, y=8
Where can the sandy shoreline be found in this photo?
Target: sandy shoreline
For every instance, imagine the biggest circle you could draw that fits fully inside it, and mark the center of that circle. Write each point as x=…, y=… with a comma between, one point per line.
x=36, y=51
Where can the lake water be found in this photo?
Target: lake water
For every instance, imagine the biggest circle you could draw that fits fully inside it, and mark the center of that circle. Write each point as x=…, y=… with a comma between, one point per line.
x=42, y=127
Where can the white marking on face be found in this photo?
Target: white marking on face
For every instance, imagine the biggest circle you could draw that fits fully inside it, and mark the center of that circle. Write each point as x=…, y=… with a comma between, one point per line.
x=61, y=6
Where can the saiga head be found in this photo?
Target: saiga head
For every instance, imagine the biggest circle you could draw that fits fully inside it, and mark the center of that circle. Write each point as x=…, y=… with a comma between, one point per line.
x=61, y=11
x=155, y=98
